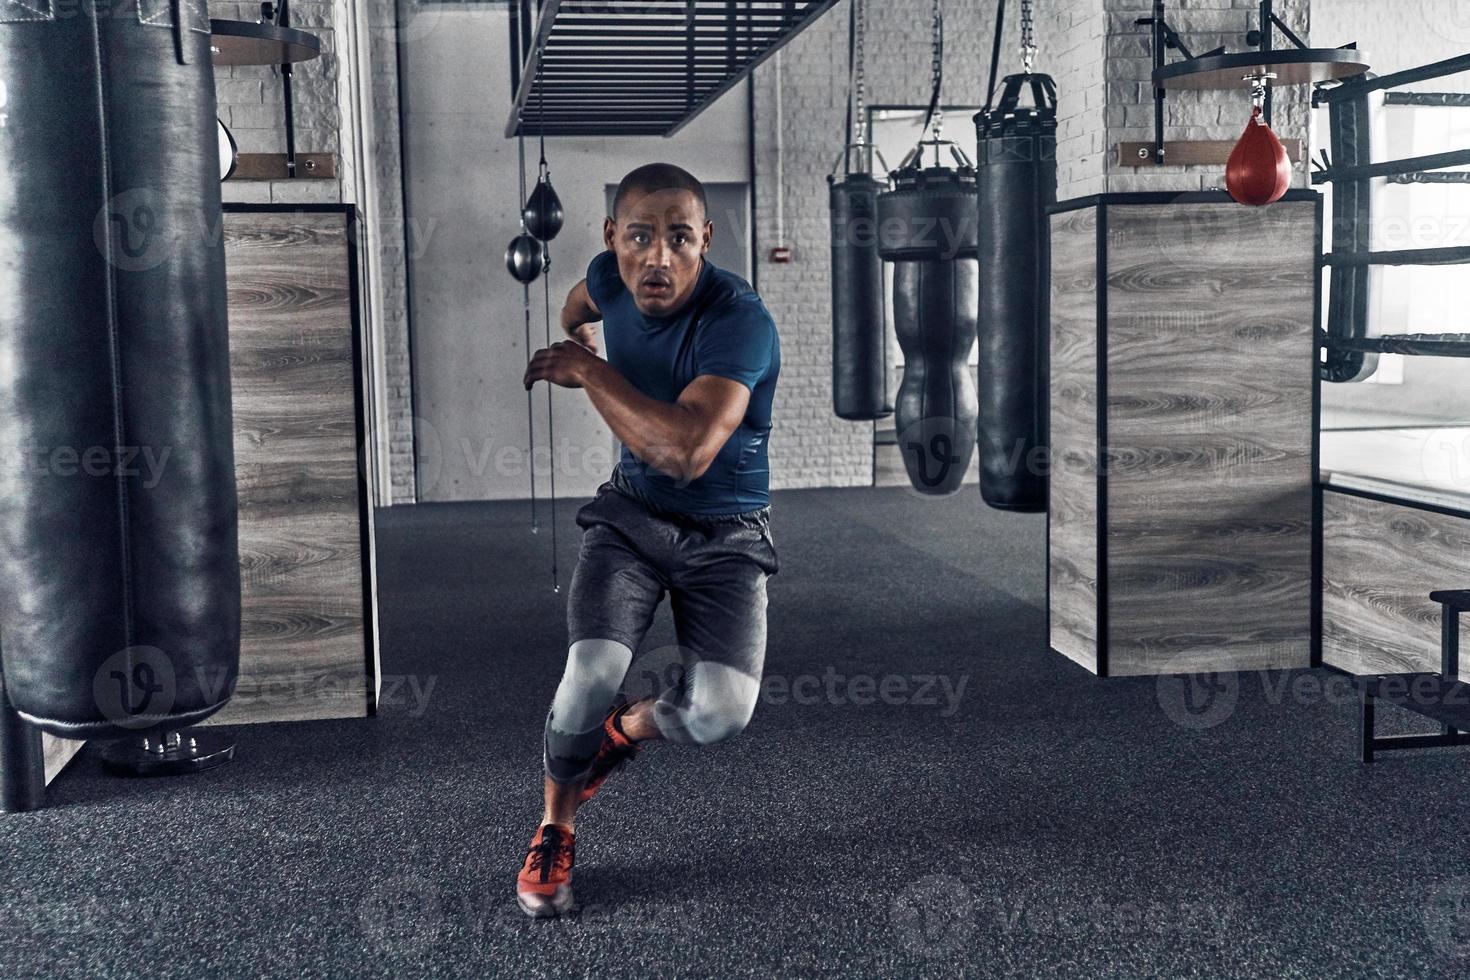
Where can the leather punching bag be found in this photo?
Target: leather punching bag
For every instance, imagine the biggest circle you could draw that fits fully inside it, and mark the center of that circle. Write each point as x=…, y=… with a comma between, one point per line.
x=1017, y=180
x=927, y=229
x=1258, y=171
x=119, y=569
x=859, y=335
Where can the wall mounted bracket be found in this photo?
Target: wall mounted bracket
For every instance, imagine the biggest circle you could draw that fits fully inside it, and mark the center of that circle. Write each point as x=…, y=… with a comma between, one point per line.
x=1218, y=69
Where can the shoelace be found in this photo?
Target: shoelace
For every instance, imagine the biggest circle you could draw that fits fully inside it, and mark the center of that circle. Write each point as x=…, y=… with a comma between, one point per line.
x=546, y=854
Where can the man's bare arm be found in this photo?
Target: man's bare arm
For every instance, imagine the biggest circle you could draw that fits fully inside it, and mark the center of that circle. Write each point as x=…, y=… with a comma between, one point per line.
x=679, y=439
x=578, y=314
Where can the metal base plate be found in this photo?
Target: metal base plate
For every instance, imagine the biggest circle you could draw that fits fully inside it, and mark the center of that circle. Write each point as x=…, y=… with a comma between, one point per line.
x=1291, y=66
x=195, y=752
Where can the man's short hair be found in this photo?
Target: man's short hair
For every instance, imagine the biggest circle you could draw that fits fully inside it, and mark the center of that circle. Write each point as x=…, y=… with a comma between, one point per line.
x=652, y=177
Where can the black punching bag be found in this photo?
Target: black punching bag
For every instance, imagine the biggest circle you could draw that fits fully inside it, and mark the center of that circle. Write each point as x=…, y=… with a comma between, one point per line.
x=859, y=335
x=927, y=229
x=1017, y=180
x=119, y=569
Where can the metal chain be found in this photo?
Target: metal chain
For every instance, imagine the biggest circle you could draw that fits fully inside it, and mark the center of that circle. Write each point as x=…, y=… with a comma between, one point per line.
x=1028, y=38
x=861, y=117
x=541, y=168
x=521, y=146
x=938, y=67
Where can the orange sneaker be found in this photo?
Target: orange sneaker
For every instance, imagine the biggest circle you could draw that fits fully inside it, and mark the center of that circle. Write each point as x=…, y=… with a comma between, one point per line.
x=616, y=750
x=544, y=886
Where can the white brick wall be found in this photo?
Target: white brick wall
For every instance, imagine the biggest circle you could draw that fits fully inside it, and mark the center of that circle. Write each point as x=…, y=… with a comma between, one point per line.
x=1071, y=39
x=1101, y=62
x=250, y=103
x=1206, y=115
x=810, y=446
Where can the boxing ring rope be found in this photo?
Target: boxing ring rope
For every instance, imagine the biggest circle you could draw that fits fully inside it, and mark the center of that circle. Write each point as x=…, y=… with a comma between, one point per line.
x=1349, y=168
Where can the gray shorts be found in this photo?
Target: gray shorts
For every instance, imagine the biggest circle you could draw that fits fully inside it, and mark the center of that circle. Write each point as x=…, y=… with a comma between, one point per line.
x=713, y=568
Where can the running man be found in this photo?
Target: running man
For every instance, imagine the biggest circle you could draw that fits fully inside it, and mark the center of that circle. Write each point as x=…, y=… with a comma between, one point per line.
x=692, y=362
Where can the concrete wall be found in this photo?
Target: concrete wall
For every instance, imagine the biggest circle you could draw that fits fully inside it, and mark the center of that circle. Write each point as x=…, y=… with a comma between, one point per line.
x=462, y=204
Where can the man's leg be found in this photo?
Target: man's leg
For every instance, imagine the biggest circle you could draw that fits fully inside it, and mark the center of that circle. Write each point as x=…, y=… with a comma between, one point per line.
x=720, y=620
x=610, y=605
x=614, y=594
x=718, y=598
x=594, y=672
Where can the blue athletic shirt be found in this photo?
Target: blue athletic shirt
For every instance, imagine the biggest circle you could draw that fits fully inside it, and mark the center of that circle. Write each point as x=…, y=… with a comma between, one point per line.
x=725, y=330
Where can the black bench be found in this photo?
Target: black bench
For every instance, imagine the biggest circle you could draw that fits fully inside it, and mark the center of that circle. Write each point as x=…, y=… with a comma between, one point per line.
x=1439, y=697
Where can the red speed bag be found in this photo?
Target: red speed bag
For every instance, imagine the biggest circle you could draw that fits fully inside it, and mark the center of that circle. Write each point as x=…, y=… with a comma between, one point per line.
x=1258, y=171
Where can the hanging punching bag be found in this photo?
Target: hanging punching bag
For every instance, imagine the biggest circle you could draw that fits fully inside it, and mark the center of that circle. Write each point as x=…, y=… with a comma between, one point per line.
x=119, y=571
x=525, y=258
x=927, y=229
x=1258, y=171
x=859, y=334
x=1017, y=180
x=542, y=214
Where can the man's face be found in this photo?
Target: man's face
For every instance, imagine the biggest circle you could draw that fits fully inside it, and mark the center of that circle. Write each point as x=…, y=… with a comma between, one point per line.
x=659, y=239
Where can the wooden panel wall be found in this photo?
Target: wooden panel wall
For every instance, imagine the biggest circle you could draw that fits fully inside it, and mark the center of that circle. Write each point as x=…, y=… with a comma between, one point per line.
x=1210, y=312
x=1072, y=521
x=1380, y=561
x=304, y=625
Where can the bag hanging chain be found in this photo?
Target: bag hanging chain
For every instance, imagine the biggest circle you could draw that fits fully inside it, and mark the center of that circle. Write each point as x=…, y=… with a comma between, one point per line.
x=1028, y=37
x=860, y=118
x=543, y=171
x=938, y=69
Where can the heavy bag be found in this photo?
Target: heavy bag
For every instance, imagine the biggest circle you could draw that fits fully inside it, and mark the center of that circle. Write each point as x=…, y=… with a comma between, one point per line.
x=1017, y=179
x=1258, y=171
x=119, y=570
x=859, y=334
x=927, y=229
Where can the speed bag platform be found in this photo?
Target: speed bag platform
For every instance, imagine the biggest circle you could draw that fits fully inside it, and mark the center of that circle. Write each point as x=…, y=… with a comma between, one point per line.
x=119, y=569
x=1017, y=180
x=927, y=229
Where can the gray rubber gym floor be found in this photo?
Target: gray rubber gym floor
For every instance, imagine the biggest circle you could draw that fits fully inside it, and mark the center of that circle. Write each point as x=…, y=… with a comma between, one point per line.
x=993, y=811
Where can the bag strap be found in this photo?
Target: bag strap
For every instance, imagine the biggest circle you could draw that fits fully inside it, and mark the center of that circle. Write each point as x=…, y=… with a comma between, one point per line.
x=1043, y=92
